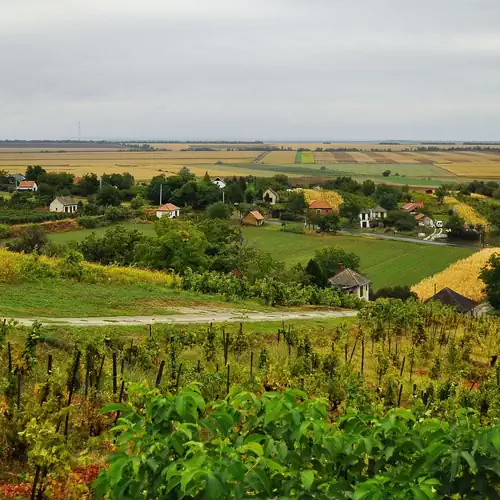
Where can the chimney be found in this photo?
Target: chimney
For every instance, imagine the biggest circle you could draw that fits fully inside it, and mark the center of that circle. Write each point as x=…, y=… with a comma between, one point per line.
x=340, y=268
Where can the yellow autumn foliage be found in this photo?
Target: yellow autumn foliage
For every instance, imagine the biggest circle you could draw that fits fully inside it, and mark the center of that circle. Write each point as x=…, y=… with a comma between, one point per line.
x=465, y=211
x=331, y=197
x=462, y=277
x=17, y=266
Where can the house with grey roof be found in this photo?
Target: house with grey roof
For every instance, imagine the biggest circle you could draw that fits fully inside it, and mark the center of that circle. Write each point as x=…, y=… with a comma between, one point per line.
x=350, y=281
x=370, y=216
x=64, y=204
x=449, y=297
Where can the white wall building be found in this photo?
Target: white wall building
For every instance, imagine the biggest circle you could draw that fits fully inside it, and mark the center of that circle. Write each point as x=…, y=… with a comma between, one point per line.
x=64, y=204
x=375, y=214
x=168, y=210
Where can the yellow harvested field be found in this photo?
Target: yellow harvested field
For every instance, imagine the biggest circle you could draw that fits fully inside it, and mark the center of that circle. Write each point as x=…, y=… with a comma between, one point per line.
x=279, y=157
x=476, y=169
x=361, y=157
x=464, y=210
x=324, y=157
x=462, y=277
x=331, y=197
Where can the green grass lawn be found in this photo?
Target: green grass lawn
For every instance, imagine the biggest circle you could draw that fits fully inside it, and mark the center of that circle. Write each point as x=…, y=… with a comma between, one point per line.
x=60, y=298
x=79, y=235
x=385, y=262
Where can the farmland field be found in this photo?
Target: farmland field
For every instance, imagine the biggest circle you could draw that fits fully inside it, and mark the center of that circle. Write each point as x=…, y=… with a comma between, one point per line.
x=385, y=262
x=331, y=197
x=223, y=160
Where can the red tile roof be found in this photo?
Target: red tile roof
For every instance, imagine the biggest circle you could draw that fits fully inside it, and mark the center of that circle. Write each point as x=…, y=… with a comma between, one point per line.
x=26, y=184
x=319, y=204
x=257, y=215
x=419, y=216
x=168, y=207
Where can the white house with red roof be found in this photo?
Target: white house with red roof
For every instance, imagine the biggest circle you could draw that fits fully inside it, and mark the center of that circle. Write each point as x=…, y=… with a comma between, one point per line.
x=27, y=186
x=168, y=210
x=321, y=207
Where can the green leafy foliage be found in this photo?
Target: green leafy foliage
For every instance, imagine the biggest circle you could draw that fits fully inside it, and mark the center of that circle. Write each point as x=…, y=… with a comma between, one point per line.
x=280, y=445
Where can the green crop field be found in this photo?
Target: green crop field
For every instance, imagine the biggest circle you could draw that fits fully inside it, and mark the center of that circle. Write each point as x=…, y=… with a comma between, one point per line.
x=385, y=262
x=308, y=157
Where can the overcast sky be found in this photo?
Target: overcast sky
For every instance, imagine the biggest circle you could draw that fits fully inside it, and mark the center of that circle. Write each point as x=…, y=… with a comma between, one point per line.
x=256, y=69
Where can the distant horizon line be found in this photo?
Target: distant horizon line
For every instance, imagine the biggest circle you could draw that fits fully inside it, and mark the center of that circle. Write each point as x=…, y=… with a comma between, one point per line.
x=258, y=141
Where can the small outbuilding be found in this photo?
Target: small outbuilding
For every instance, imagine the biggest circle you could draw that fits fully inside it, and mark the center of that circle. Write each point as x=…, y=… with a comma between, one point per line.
x=270, y=196
x=219, y=183
x=350, y=281
x=168, y=210
x=27, y=186
x=253, y=218
x=424, y=220
x=449, y=297
x=64, y=204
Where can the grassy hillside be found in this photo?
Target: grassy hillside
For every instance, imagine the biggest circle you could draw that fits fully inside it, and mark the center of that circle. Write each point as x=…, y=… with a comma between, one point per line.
x=385, y=262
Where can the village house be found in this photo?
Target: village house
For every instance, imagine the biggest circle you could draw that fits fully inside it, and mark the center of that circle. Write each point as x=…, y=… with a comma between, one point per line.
x=253, y=218
x=413, y=207
x=27, y=186
x=219, y=183
x=449, y=297
x=270, y=196
x=168, y=210
x=424, y=220
x=64, y=204
x=350, y=281
x=374, y=215
x=15, y=179
x=321, y=207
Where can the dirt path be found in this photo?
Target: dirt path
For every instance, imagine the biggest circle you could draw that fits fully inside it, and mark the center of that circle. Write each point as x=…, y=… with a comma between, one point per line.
x=192, y=317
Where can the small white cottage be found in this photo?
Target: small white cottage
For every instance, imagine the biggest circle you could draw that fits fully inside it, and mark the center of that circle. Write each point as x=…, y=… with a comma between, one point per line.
x=350, y=281
x=219, y=183
x=64, y=204
x=168, y=210
x=27, y=186
x=270, y=196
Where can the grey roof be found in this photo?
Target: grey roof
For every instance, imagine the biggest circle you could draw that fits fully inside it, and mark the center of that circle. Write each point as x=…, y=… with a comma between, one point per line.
x=449, y=297
x=17, y=177
x=348, y=279
x=66, y=200
x=378, y=208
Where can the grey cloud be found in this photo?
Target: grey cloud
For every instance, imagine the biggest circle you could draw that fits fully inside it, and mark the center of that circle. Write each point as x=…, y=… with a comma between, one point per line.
x=268, y=69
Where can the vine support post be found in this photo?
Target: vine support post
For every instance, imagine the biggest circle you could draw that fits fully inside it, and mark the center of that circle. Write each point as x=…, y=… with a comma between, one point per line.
x=251, y=364
x=160, y=373
x=99, y=375
x=71, y=390
x=402, y=366
x=362, y=355
x=400, y=394
x=49, y=365
x=9, y=353
x=228, y=378
x=19, y=388
x=178, y=379
x=115, y=374
x=198, y=368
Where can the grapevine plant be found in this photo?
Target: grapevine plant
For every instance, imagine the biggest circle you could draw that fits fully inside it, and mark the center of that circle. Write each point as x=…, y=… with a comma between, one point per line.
x=282, y=445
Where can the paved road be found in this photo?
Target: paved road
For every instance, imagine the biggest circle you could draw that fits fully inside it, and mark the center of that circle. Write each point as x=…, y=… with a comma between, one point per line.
x=216, y=317
x=408, y=239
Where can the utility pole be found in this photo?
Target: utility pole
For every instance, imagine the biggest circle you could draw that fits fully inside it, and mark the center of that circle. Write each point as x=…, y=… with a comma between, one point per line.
x=223, y=197
x=161, y=194
x=79, y=131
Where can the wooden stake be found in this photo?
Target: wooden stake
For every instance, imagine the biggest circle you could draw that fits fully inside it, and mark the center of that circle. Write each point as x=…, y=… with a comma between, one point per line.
x=98, y=379
x=71, y=389
x=400, y=393
x=346, y=348
x=353, y=349
x=49, y=365
x=160, y=373
x=19, y=389
x=9, y=353
x=402, y=367
x=178, y=379
x=362, y=355
x=115, y=375
x=251, y=364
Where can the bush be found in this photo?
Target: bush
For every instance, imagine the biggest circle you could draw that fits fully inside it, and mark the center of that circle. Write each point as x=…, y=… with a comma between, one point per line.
x=136, y=203
x=33, y=238
x=395, y=292
x=92, y=221
x=5, y=231
x=11, y=216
